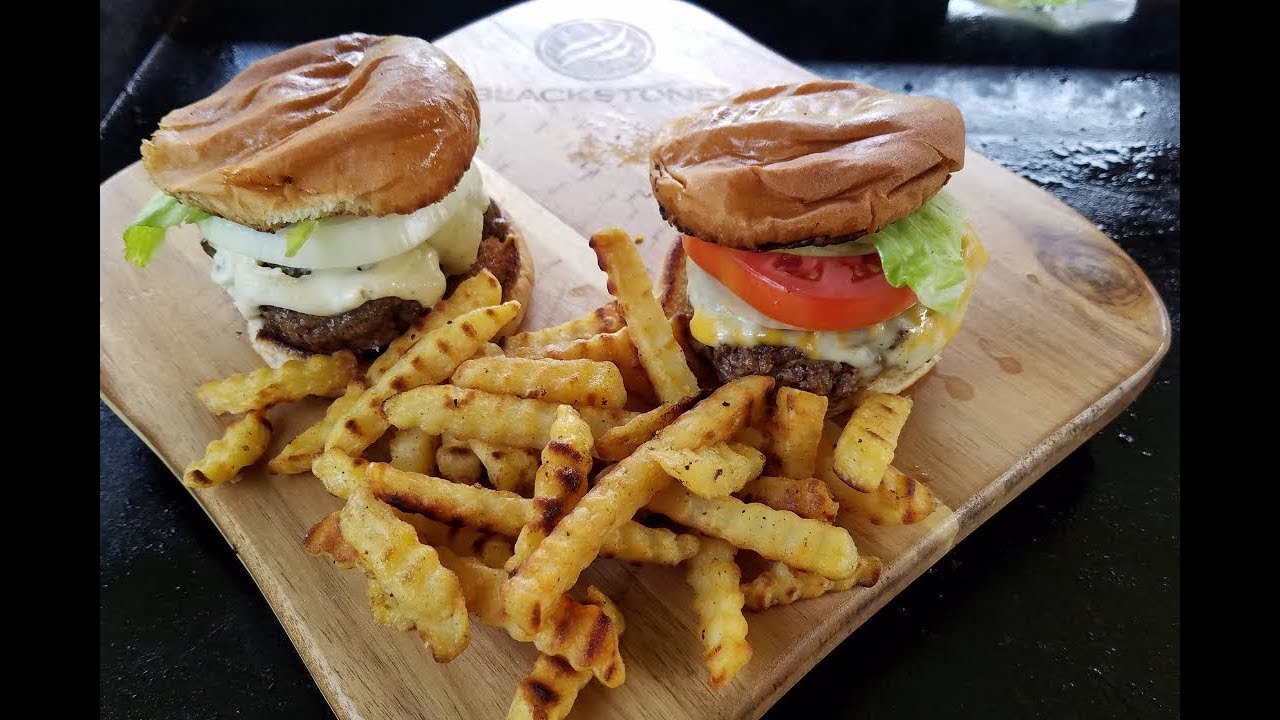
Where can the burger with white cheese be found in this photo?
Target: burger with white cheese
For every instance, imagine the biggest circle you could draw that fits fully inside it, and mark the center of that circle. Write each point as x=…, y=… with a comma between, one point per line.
x=816, y=245
x=334, y=187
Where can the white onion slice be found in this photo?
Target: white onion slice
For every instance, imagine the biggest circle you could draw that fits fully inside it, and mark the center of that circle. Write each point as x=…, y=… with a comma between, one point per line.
x=343, y=241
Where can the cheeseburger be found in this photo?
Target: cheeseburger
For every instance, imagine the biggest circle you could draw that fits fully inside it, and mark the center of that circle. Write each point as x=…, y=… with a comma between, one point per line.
x=817, y=246
x=334, y=188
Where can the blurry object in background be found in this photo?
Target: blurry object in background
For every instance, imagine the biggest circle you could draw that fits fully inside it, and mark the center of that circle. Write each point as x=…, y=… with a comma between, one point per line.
x=1057, y=15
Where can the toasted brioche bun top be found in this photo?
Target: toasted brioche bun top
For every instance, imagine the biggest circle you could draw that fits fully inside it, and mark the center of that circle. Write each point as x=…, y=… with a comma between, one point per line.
x=353, y=125
x=814, y=163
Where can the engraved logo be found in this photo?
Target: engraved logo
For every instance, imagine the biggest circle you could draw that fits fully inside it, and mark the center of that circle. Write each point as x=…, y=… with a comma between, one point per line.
x=595, y=49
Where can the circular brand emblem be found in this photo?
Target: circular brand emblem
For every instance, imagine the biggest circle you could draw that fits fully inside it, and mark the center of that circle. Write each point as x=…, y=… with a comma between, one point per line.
x=595, y=49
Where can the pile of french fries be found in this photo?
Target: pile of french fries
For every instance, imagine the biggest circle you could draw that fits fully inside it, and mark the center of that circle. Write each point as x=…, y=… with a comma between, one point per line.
x=482, y=481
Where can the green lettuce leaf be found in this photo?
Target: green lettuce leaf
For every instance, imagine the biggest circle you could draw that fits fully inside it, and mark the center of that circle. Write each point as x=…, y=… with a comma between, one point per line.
x=923, y=250
x=297, y=236
x=144, y=236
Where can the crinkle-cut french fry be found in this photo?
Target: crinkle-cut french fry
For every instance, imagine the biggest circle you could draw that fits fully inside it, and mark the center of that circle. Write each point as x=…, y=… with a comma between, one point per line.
x=897, y=500
x=780, y=585
x=414, y=450
x=499, y=419
x=716, y=471
x=415, y=584
x=650, y=329
x=619, y=442
x=808, y=498
x=581, y=634
x=776, y=534
x=508, y=468
x=478, y=291
x=489, y=350
x=430, y=360
x=340, y=473
x=605, y=319
x=561, y=479
x=297, y=456
x=613, y=347
x=793, y=431
x=457, y=462
x=324, y=539
x=718, y=601
x=241, y=445
x=865, y=448
x=554, y=566
x=698, y=363
x=506, y=513
x=573, y=382
x=323, y=375
x=551, y=687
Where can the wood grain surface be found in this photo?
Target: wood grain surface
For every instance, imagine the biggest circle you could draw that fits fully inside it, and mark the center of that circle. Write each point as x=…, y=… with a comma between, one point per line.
x=1063, y=332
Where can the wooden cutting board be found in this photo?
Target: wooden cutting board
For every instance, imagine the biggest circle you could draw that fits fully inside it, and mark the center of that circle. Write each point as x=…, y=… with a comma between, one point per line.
x=1063, y=332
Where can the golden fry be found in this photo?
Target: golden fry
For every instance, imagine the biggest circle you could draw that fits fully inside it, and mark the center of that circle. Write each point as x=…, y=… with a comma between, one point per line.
x=793, y=431
x=324, y=375
x=604, y=319
x=478, y=291
x=716, y=471
x=429, y=361
x=240, y=446
x=506, y=513
x=297, y=456
x=324, y=539
x=573, y=382
x=410, y=581
x=508, y=468
x=613, y=347
x=554, y=566
x=551, y=687
x=499, y=419
x=561, y=479
x=777, y=535
x=865, y=448
x=780, y=585
x=619, y=442
x=456, y=461
x=897, y=500
x=808, y=498
x=718, y=601
x=650, y=329
x=414, y=451
x=492, y=550
x=340, y=473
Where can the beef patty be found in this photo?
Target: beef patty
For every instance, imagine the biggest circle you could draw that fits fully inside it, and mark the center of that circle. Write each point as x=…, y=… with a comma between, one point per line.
x=369, y=329
x=791, y=367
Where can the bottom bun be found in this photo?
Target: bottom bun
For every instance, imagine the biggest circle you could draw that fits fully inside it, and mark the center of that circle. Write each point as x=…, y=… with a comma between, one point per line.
x=507, y=257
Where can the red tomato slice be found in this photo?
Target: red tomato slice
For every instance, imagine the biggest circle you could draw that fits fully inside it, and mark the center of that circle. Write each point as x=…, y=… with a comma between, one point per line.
x=815, y=293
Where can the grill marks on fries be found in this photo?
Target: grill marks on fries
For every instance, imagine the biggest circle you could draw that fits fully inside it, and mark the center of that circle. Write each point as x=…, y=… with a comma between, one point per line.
x=550, y=689
x=718, y=601
x=583, y=635
x=604, y=319
x=414, y=451
x=297, y=456
x=775, y=534
x=808, y=498
x=561, y=479
x=619, y=442
x=478, y=291
x=574, y=382
x=509, y=468
x=650, y=330
x=456, y=462
x=613, y=347
x=865, y=448
x=897, y=500
x=340, y=473
x=507, y=513
x=410, y=583
x=324, y=375
x=241, y=445
x=430, y=360
x=717, y=471
x=555, y=565
x=478, y=415
x=793, y=430
x=780, y=585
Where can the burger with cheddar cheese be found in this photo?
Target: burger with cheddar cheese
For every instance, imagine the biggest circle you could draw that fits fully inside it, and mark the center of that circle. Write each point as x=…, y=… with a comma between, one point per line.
x=334, y=187
x=817, y=245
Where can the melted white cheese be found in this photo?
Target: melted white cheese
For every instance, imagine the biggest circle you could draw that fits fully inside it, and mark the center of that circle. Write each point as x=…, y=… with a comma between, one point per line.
x=414, y=275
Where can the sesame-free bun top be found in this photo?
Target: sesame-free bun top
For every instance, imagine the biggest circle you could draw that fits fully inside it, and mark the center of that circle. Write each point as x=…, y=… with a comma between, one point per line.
x=813, y=163
x=353, y=125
